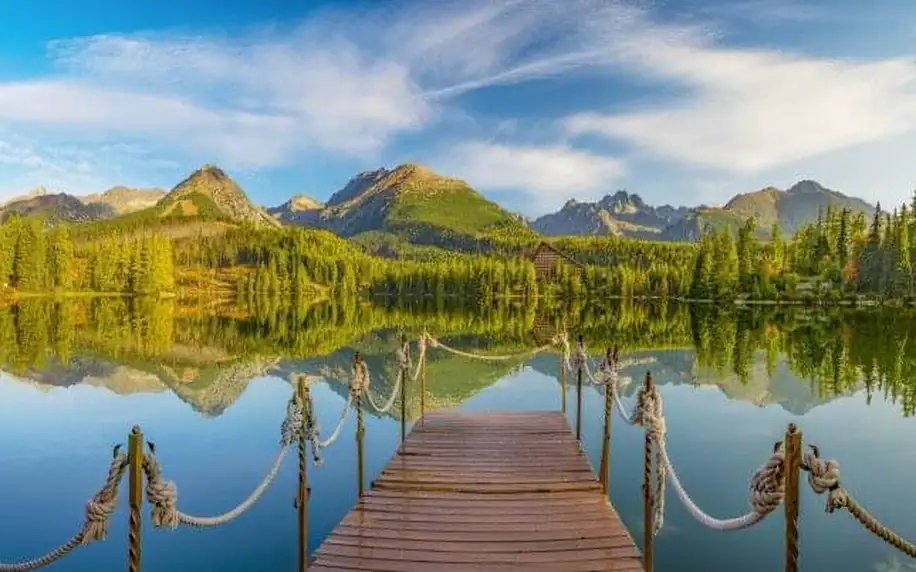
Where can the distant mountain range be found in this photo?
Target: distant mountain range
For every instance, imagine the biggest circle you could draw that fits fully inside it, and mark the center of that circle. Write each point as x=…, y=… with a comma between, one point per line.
x=206, y=193
x=412, y=203
x=625, y=214
x=620, y=214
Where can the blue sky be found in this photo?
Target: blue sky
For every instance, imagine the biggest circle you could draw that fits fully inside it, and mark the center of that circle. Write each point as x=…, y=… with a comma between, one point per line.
x=532, y=102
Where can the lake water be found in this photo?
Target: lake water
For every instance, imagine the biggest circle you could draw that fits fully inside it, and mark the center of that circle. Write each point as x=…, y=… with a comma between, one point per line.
x=210, y=390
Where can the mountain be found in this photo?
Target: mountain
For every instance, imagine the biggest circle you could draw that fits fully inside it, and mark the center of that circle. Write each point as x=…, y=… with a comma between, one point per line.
x=620, y=214
x=626, y=214
x=800, y=204
x=56, y=208
x=791, y=209
x=209, y=191
x=411, y=201
x=36, y=192
x=124, y=200
x=299, y=209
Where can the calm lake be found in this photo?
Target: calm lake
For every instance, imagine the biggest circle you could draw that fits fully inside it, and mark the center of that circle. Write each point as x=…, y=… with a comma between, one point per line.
x=210, y=387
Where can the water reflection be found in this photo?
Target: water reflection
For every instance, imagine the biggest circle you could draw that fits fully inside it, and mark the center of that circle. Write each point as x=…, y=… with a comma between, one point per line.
x=210, y=389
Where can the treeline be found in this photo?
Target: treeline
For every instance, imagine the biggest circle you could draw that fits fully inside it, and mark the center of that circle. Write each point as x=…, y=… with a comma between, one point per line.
x=37, y=259
x=876, y=256
x=840, y=255
x=840, y=351
x=292, y=261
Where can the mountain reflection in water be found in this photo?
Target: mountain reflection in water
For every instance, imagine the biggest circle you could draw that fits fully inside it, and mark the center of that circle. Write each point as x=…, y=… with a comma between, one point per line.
x=732, y=380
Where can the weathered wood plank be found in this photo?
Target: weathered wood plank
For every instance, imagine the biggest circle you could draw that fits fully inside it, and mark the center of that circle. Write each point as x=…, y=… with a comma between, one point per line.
x=483, y=491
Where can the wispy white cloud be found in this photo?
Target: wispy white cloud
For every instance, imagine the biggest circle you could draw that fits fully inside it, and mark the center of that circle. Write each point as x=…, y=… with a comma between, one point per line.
x=352, y=85
x=544, y=175
x=747, y=110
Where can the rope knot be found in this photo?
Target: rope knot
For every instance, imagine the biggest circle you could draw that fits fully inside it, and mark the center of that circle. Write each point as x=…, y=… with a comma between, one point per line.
x=824, y=476
x=103, y=504
x=650, y=412
x=161, y=494
x=421, y=343
x=291, y=428
x=581, y=356
x=403, y=356
x=359, y=381
x=768, y=485
x=609, y=375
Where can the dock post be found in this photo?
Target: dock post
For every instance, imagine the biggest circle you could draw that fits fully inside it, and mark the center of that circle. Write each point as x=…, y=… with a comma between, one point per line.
x=579, y=349
x=403, y=367
x=360, y=430
x=648, y=556
x=792, y=467
x=302, y=500
x=604, y=474
x=563, y=382
x=135, y=496
x=423, y=383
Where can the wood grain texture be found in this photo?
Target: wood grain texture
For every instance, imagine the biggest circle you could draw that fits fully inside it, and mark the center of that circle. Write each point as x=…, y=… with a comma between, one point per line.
x=483, y=491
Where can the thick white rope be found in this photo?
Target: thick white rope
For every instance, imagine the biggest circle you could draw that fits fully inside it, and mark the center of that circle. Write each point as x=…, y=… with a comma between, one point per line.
x=324, y=443
x=403, y=358
x=95, y=525
x=824, y=476
x=434, y=343
x=163, y=495
x=767, y=486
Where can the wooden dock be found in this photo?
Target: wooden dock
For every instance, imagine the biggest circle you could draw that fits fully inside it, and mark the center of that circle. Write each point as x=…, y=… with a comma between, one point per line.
x=483, y=491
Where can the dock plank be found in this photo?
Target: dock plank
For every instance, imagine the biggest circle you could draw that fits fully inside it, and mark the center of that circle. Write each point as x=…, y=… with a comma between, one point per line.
x=483, y=491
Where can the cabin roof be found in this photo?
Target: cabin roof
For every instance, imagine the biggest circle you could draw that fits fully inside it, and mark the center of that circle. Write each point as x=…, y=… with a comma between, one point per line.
x=561, y=254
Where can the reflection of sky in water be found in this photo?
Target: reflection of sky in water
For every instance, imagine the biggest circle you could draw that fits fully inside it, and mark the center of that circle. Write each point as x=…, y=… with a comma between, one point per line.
x=56, y=444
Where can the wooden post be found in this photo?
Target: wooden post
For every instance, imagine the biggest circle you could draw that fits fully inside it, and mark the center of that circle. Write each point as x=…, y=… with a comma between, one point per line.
x=304, y=491
x=793, y=452
x=135, y=496
x=563, y=382
x=423, y=385
x=605, y=471
x=404, y=375
x=360, y=432
x=647, y=554
x=579, y=396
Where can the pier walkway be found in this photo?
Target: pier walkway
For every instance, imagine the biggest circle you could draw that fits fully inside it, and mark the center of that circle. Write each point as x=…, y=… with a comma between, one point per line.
x=483, y=491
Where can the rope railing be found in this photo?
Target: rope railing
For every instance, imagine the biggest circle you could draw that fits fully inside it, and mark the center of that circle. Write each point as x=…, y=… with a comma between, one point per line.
x=824, y=477
x=95, y=525
x=766, y=489
x=163, y=494
x=438, y=344
x=773, y=484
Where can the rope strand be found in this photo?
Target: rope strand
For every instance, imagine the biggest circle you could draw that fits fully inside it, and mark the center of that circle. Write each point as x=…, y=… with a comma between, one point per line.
x=824, y=476
x=95, y=525
x=767, y=486
x=163, y=494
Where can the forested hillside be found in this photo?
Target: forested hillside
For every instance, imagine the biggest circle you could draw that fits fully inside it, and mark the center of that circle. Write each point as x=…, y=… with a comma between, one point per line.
x=439, y=239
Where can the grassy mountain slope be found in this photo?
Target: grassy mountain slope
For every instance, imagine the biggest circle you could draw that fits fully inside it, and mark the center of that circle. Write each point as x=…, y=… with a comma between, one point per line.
x=211, y=186
x=207, y=202
x=690, y=228
x=417, y=204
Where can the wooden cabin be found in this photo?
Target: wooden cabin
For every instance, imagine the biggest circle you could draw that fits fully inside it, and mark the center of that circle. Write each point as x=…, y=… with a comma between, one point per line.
x=546, y=258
